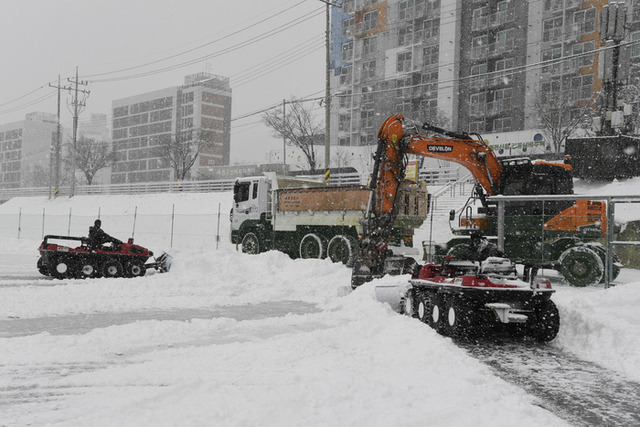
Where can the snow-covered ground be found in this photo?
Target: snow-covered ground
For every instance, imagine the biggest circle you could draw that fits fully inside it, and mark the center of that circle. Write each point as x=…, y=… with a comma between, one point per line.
x=232, y=339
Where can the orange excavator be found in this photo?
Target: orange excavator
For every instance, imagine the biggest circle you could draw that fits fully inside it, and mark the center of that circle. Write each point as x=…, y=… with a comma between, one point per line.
x=569, y=227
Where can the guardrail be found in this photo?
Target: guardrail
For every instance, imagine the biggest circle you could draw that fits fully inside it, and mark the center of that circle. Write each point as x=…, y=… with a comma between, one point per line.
x=440, y=176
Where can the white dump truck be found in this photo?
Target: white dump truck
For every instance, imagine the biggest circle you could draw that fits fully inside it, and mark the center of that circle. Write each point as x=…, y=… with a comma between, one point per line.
x=307, y=218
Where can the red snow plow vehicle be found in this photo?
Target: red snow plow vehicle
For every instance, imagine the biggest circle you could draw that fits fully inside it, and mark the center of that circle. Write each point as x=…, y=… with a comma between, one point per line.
x=469, y=298
x=62, y=259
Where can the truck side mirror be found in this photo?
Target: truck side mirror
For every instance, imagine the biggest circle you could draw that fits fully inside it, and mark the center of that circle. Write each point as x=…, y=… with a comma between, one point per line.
x=452, y=215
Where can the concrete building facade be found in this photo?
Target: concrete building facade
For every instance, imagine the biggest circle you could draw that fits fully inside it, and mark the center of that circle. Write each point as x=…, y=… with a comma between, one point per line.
x=203, y=103
x=471, y=65
x=25, y=148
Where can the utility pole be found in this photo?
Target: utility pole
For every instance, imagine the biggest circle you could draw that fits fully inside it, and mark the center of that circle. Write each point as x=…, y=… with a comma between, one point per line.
x=56, y=162
x=284, y=140
x=77, y=104
x=327, y=93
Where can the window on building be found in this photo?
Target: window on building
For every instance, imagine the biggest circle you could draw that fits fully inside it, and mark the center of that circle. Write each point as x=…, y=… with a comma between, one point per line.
x=550, y=89
x=347, y=28
x=369, y=69
x=404, y=107
x=480, y=18
x=585, y=20
x=344, y=124
x=369, y=46
x=502, y=100
x=348, y=6
x=403, y=87
x=345, y=99
x=477, y=127
x=479, y=76
x=552, y=55
x=479, y=47
x=635, y=10
x=405, y=10
x=477, y=103
x=345, y=75
x=505, y=40
x=370, y=21
x=502, y=124
x=635, y=47
x=552, y=29
x=584, y=59
x=403, y=63
x=582, y=87
x=366, y=118
x=429, y=29
x=367, y=96
x=405, y=35
x=430, y=55
x=344, y=141
x=347, y=51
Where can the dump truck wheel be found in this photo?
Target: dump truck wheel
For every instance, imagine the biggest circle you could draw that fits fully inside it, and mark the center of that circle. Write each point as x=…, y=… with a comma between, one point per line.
x=251, y=244
x=342, y=249
x=311, y=247
x=112, y=268
x=547, y=322
x=581, y=266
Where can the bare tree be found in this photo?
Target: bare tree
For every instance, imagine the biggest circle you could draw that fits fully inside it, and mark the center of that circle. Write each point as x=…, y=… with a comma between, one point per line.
x=559, y=115
x=181, y=151
x=297, y=127
x=90, y=156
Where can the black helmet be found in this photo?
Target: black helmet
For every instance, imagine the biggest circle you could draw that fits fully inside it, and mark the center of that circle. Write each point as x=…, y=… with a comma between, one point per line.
x=97, y=223
x=476, y=235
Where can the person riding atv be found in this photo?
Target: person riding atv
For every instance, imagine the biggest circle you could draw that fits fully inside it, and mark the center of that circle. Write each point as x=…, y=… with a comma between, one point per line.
x=480, y=248
x=97, y=236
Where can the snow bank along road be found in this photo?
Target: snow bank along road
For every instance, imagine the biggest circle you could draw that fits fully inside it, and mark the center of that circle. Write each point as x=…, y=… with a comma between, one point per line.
x=232, y=339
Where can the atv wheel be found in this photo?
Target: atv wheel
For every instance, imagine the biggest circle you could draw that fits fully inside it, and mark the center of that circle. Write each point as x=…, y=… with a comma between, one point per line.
x=547, y=322
x=250, y=244
x=61, y=268
x=42, y=268
x=112, y=268
x=342, y=249
x=437, y=313
x=423, y=310
x=87, y=269
x=311, y=247
x=581, y=266
x=135, y=269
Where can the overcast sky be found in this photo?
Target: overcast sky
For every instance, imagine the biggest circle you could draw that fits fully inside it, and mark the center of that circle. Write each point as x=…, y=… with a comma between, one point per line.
x=256, y=43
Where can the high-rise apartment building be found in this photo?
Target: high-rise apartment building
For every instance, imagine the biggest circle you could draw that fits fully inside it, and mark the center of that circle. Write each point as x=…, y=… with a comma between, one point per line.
x=472, y=65
x=202, y=104
x=25, y=147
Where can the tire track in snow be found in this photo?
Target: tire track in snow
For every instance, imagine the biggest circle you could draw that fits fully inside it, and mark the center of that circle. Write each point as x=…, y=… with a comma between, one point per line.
x=576, y=390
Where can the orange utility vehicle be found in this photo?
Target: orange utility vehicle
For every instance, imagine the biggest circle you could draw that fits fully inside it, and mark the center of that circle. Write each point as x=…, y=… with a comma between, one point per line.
x=557, y=232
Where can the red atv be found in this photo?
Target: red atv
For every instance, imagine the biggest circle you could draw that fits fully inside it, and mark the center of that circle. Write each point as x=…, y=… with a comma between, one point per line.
x=61, y=259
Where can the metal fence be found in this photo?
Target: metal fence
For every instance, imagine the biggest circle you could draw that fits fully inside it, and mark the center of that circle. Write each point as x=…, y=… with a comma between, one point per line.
x=436, y=177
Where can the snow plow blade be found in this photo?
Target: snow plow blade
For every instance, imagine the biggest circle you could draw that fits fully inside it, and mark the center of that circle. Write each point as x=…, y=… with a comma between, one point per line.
x=162, y=263
x=392, y=295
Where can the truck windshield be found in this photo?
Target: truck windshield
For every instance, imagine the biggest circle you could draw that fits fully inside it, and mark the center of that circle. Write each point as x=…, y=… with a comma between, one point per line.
x=241, y=191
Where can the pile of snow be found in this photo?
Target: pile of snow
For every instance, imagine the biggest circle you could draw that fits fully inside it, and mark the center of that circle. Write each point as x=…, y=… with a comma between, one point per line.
x=232, y=339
